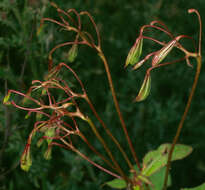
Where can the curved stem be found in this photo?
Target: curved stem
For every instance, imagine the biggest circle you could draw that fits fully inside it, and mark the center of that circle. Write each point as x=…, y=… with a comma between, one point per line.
x=117, y=106
x=182, y=120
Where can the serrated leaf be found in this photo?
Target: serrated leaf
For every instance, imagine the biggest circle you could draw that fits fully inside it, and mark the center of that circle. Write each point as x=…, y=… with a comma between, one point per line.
x=154, y=160
x=117, y=183
x=200, y=187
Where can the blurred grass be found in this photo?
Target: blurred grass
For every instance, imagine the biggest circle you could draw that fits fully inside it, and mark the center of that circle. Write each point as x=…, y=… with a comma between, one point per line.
x=23, y=57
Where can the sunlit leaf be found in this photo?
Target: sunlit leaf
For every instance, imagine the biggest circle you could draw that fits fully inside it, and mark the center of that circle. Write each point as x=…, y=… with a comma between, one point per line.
x=117, y=183
x=157, y=179
x=156, y=159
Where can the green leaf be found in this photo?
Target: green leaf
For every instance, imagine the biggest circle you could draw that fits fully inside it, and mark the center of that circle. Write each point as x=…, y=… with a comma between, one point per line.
x=200, y=187
x=117, y=183
x=154, y=160
x=157, y=179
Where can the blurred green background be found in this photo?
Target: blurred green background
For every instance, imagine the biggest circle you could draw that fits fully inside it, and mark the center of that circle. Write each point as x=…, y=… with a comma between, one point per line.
x=24, y=57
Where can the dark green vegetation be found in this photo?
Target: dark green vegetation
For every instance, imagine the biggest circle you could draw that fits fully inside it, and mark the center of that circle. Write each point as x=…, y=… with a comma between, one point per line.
x=23, y=57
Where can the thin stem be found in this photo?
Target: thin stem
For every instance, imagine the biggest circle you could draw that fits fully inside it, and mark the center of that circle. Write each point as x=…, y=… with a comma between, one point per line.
x=117, y=167
x=109, y=133
x=95, y=26
x=95, y=151
x=117, y=106
x=182, y=120
x=85, y=96
x=69, y=146
x=200, y=27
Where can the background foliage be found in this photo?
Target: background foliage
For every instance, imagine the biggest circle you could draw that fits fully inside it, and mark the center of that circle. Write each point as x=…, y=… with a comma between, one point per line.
x=23, y=57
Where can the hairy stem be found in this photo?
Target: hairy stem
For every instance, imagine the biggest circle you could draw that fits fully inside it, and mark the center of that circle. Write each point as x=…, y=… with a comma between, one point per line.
x=182, y=120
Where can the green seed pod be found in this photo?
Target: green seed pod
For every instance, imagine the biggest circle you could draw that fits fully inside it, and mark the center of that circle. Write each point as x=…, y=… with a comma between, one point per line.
x=162, y=53
x=134, y=53
x=26, y=161
x=6, y=99
x=145, y=89
x=72, y=53
x=47, y=154
x=40, y=142
x=50, y=132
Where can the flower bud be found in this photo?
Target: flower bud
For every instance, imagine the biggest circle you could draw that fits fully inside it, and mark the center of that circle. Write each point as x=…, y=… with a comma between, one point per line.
x=162, y=53
x=40, y=142
x=47, y=154
x=50, y=132
x=145, y=89
x=72, y=53
x=135, y=52
x=26, y=161
x=6, y=99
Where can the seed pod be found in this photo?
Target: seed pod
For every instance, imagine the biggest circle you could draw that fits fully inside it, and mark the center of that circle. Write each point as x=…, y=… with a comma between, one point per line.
x=6, y=99
x=145, y=89
x=72, y=53
x=50, y=132
x=135, y=52
x=40, y=142
x=26, y=161
x=47, y=154
x=162, y=53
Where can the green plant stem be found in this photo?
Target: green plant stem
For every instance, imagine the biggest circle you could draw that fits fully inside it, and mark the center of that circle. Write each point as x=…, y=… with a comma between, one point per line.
x=109, y=133
x=182, y=120
x=117, y=106
x=117, y=167
x=95, y=151
x=71, y=147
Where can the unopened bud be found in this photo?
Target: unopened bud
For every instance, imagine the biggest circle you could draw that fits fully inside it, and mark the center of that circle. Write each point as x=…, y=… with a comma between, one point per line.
x=145, y=89
x=26, y=161
x=50, y=133
x=47, y=154
x=40, y=142
x=6, y=99
x=72, y=53
x=135, y=52
x=162, y=53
